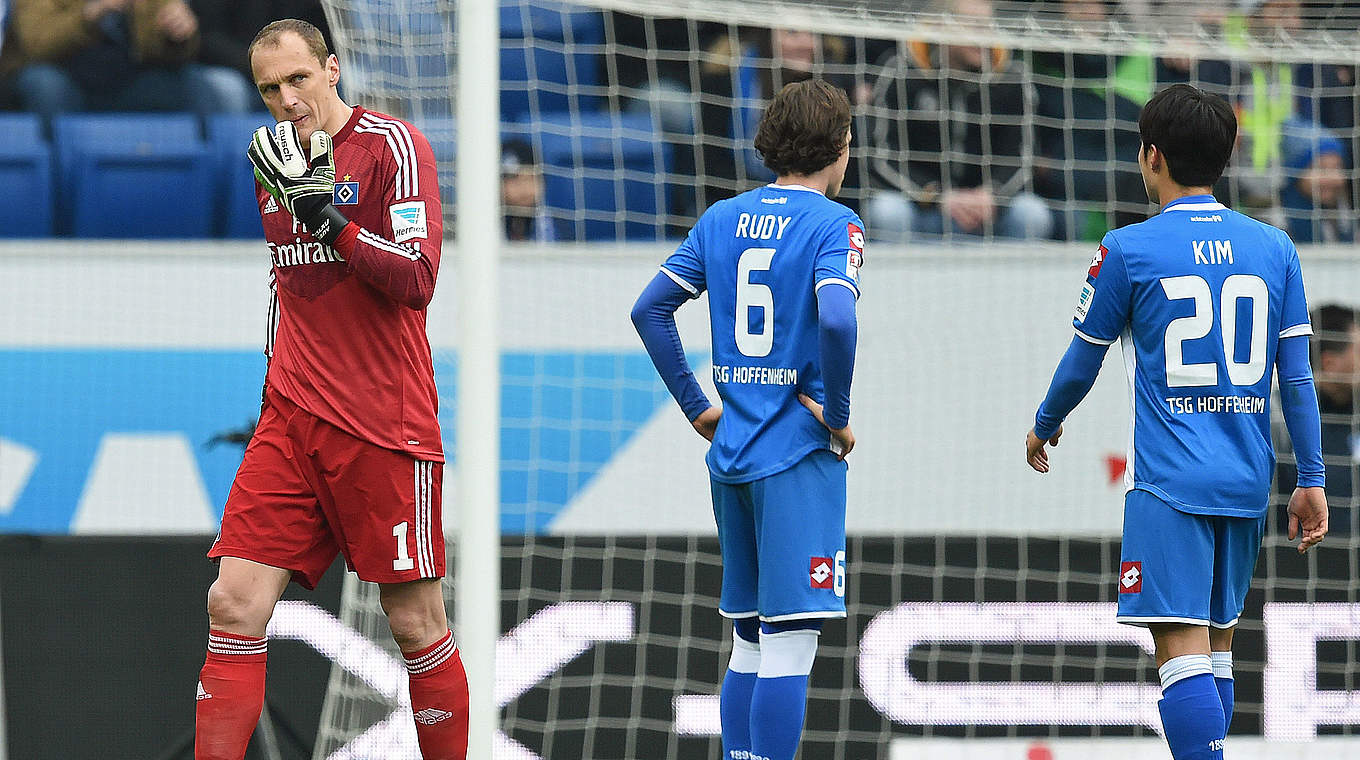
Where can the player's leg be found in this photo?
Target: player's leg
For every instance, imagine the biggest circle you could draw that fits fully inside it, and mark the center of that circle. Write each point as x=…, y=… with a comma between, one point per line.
x=230, y=692
x=737, y=541
x=388, y=508
x=1166, y=576
x=1237, y=547
x=800, y=522
x=1220, y=659
x=439, y=688
x=272, y=529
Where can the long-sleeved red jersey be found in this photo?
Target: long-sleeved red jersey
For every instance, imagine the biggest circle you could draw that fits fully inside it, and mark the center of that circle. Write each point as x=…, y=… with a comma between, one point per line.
x=347, y=324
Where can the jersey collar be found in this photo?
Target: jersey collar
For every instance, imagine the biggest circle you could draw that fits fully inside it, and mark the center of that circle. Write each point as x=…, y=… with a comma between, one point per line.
x=348, y=129
x=804, y=188
x=1194, y=203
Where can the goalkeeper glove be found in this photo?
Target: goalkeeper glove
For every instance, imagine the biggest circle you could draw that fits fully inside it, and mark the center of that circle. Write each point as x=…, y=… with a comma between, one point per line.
x=305, y=188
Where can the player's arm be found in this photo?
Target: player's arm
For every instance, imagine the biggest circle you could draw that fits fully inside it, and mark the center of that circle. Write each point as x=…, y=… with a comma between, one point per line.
x=404, y=262
x=1072, y=380
x=1299, y=404
x=654, y=317
x=403, y=266
x=1102, y=311
x=836, y=282
x=837, y=334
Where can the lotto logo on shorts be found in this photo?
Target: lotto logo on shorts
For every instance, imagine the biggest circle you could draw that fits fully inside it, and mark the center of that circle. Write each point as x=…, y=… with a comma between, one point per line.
x=1130, y=577
x=820, y=572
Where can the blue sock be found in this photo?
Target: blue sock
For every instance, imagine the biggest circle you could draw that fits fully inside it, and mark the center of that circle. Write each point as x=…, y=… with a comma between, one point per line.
x=1192, y=716
x=1223, y=679
x=777, y=710
x=779, y=700
x=734, y=701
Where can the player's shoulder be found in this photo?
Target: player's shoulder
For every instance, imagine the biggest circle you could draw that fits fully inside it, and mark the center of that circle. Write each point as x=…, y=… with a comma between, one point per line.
x=389, y=134
x=1208, y=221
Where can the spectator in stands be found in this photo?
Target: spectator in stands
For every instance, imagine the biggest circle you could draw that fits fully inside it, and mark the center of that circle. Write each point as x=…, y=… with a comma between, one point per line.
x=1326, y=95
x=1314, y=196
x=1265, y=94
x=522, y=195
x=110, y=55
x=1087, y=137
x=226, y=28
x=958, y=166
x=1336, y=370
x=738, y=74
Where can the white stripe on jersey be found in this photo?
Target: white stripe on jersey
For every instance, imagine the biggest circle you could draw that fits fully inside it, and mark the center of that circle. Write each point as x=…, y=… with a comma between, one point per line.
x=1090, y=339
x=272, y=325
x=387, y=245
x=1131, y=366
x=403, y=150
x=837, y=281
x=1297, y=330
x=681, y=282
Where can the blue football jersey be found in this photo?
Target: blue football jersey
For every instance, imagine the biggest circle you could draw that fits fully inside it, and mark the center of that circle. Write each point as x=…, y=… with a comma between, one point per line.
x=762, y=256
x=1199, y=297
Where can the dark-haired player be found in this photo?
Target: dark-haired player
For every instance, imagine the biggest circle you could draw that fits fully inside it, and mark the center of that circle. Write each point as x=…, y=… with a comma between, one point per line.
x=1206, y=303
x=781, y=267
x=347, y=455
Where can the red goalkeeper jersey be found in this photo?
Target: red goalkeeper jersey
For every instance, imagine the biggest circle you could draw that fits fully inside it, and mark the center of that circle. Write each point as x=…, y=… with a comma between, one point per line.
x=347, y=324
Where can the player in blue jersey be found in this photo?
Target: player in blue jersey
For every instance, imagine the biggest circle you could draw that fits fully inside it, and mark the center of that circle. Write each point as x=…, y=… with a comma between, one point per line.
x=781, y=267
x=1205, y=303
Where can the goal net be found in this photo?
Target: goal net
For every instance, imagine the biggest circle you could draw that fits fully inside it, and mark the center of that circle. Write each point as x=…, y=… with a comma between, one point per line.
x=980, y=595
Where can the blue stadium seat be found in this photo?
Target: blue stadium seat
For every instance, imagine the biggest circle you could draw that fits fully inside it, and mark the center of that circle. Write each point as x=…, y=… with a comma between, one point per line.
x=600, y=173
x=538, y=72
x=133, y=176
x=25, y=177
x=228, y=135
x=443, y=137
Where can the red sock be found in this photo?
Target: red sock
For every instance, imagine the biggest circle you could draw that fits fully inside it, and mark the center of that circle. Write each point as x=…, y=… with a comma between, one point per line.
x=230, y=696
x=439, y=699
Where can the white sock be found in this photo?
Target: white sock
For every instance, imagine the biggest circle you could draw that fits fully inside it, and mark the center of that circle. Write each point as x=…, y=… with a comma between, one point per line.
x=1183, y=667
x=1222, y=664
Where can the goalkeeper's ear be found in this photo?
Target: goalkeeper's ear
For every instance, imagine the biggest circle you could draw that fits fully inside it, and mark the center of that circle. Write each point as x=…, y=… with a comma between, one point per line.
x=322, y=153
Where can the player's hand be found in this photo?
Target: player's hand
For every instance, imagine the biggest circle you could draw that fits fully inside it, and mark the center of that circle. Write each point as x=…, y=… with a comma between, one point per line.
x=304, y=187
x=706, y=424
x=176, y=21
x=842, y=439
x=1035, y=453
x=1308, y=516
x=970, y=208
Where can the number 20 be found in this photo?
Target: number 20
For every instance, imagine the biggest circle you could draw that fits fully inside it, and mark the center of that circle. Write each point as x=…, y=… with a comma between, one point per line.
x=1197, y=325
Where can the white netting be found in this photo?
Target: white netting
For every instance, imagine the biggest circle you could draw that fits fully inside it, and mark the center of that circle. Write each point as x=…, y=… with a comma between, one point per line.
x=639, y=116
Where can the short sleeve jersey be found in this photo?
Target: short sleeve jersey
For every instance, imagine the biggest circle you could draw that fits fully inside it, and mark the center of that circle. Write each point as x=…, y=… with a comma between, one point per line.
x=1199, y=297
x=339, y=347
x=761, y=256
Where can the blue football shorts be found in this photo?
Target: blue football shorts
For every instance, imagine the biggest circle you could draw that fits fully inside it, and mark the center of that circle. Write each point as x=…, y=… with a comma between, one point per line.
x=783, y=542
x=1177, y=567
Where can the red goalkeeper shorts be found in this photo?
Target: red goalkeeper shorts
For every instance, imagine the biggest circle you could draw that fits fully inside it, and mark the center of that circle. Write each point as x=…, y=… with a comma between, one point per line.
x=307, y=489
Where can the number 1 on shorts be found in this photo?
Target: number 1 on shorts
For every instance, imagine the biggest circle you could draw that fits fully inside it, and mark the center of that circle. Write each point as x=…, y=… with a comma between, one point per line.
x=403, y=560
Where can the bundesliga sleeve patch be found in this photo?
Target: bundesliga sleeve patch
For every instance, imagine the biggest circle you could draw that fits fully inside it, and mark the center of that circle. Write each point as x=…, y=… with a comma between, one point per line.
x=856, y=257
x=1088, y=294
x=408, y=220
x=1096, y=261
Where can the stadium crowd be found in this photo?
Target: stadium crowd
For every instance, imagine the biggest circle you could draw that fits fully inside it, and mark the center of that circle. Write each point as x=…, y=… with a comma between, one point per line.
x=949, y=140
x=957, y=140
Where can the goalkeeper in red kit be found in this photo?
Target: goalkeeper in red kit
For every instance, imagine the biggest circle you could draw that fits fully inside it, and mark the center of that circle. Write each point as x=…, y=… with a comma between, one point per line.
x=347, y=456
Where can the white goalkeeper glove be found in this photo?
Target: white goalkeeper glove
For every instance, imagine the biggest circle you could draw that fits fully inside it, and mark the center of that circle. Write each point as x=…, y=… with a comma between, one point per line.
x=305, y=188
